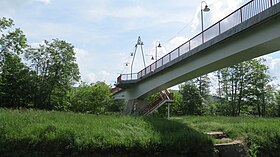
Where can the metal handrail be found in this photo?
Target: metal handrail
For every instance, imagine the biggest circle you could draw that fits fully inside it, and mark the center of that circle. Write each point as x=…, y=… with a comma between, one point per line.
x=126, y=77
x=238, y=16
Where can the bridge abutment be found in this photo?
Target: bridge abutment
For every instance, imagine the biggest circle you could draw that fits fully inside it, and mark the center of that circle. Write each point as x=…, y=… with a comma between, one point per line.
x=135, y=106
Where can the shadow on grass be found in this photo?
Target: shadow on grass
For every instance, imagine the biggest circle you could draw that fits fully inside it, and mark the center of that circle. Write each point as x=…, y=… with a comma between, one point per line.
x=179, y=139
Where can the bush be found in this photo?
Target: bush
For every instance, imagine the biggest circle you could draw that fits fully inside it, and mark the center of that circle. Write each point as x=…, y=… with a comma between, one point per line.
x=93, y=98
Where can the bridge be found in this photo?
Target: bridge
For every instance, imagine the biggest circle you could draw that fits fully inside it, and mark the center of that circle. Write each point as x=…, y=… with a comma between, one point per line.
x=250, y=31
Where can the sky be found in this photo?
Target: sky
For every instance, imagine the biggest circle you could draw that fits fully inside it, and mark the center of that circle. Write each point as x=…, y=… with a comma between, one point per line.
x=104, y=32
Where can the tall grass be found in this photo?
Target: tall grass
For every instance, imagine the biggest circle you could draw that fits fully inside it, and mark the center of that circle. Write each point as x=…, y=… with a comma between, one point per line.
x=262, y=135
x=39, y=133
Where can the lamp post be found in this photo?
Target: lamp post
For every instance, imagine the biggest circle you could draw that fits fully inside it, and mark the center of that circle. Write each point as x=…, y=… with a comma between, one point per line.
x=157, y=46
x=206, y=9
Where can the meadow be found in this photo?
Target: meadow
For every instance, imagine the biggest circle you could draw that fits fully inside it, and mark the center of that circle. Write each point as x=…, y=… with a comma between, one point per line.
x=260, y=135
x=52, y=133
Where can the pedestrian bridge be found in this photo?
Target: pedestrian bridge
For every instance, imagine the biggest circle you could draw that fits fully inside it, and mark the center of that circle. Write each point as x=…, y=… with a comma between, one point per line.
x=251, y=31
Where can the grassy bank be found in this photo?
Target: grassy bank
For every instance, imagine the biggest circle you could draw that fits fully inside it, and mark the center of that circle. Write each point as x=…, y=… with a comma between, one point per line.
x=262, y=135
x=41, y=133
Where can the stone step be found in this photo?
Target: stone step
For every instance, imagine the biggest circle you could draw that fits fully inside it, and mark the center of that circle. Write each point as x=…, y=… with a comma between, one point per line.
x=227, y=147
x=231, y=149
x=223, y=140
x=217, y=134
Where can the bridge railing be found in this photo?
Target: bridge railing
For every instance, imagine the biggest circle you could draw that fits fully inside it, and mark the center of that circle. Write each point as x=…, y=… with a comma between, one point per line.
x=240, y=15
x=127, y=77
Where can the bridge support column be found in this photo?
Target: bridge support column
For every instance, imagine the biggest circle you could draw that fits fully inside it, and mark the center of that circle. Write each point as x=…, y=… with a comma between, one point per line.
x=135, y=106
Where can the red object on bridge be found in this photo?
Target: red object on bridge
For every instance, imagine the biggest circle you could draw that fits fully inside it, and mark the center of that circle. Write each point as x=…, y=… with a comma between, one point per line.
x=119, y=79
x=115, y=90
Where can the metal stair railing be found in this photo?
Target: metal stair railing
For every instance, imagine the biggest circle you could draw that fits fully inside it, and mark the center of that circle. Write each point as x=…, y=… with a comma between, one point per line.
x=164, y=97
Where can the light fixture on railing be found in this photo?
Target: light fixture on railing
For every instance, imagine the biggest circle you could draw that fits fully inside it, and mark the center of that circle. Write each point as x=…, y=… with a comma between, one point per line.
x=158, y=45
x=152, y=56
x=206, y=9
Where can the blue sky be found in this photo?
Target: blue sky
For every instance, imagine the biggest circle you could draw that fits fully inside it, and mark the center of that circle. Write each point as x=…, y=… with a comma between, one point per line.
x=104, y=32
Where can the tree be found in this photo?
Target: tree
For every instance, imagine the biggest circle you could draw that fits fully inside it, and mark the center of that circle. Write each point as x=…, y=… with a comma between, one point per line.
x=16, y=83
x=258, y=89
x=5, y=23
x=276, y=107
x=202, y=84
x=12, y=42
x=15, y=77
x=243, y=88
x=191, y=99
x=272, y=101
x=93, y=98
x=56, y=68
x=116, y=106
x=177, y=104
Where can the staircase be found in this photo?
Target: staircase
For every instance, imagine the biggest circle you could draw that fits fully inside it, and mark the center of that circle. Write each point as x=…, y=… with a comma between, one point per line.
x=164, y=97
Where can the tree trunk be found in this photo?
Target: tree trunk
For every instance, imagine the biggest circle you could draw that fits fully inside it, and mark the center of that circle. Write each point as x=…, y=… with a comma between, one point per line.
x=232, y=96
x=240, y=94
x=263, y=104
x=259, y=109
x=239, y=100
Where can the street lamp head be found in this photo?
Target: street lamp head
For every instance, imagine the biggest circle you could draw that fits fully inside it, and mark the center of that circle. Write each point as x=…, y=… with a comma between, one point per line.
x=152, y=58
x=206, y=8
x=159, y=45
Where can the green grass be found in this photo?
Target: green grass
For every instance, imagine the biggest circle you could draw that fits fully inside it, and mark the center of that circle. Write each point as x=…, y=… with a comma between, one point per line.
x=43, y=133
x=261, y=135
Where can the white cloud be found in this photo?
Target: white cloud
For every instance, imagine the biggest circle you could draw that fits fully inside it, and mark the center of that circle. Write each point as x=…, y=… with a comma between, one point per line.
x=126, y=12
x=89, y=67
x=89, y=78
x=274, y=67
x=102, y=76
x=155, y=50
x=175, y=42
x=218, y=10
x=48, y=30
x=37, y=44
x=135, y=17
x=9, y=8
x=44, y=1
x=214, y=83
x=85, y=61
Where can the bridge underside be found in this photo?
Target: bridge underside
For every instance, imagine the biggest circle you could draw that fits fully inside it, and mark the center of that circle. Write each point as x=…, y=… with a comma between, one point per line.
x=255, y=37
